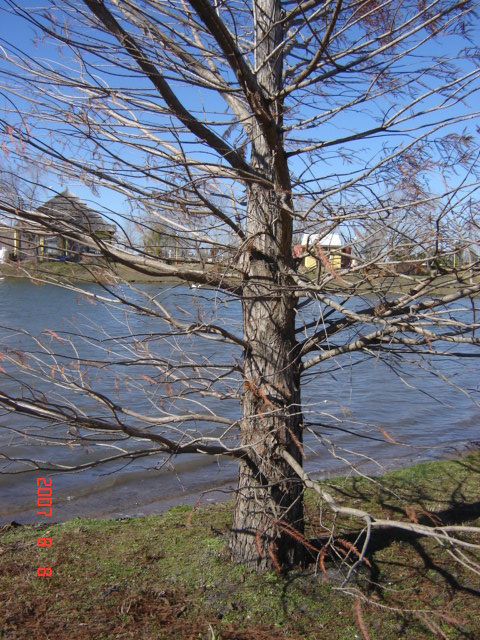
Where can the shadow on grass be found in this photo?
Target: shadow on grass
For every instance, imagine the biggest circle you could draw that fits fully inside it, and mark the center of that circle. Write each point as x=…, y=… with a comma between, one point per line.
x=427, y=583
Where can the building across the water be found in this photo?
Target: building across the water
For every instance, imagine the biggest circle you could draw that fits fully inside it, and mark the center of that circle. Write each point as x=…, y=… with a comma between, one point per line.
x=32, y=241
x=316, y=248
x=7, y=236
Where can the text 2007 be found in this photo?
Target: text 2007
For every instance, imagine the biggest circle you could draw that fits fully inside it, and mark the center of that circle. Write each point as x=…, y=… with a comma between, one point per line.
x=44, y=500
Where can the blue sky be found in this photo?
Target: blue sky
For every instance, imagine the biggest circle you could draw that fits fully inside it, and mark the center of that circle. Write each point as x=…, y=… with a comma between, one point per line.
x=18, y=31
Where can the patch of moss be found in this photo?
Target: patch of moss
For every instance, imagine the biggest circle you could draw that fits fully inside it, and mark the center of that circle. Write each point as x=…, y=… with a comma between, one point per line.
x=169, y=576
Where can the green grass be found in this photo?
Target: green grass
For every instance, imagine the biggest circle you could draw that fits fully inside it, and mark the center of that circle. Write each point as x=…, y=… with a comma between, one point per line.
x=169, y=576
x=96, y=269
x=93, y=269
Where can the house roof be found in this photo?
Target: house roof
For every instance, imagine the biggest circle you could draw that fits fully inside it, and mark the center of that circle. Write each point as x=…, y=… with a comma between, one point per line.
x=67, y=207
x=329, y=240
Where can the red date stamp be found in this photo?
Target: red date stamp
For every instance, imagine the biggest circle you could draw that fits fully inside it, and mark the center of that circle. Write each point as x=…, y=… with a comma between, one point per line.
x=44, y=500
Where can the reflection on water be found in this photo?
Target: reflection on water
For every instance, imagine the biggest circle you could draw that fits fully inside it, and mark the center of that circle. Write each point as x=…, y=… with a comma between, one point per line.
x=372, y=414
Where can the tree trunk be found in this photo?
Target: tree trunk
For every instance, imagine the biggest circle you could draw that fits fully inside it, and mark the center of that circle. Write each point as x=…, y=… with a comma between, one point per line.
x=269, y=505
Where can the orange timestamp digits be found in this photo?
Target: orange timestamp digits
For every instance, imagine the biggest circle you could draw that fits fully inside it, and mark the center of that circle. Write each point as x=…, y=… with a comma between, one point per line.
x=44, y=499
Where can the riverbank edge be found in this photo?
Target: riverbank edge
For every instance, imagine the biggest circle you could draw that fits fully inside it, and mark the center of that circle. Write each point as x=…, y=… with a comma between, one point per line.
x=61, y=273
x=223, y=491
x=103, y=273
x=169, y=575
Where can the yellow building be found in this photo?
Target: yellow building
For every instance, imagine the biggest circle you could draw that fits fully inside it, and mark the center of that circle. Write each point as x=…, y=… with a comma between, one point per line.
x=315, y=247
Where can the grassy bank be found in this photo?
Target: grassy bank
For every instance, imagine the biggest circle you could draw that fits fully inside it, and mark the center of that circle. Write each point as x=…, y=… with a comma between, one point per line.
x=96, y=270
x=71, y=272
x=169, y=576
x=93, y=270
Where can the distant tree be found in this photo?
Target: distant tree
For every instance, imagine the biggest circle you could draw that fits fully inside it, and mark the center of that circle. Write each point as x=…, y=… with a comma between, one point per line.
x=20, y=185
x=395, y=236
x=154, y=239
x=252, y=119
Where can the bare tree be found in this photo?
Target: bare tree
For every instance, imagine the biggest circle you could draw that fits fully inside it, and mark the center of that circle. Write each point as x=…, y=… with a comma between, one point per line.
x=20, y=185
x=239, y=123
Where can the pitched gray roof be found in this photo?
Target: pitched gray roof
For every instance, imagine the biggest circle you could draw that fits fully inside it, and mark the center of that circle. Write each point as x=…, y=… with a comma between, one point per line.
x=67, y=207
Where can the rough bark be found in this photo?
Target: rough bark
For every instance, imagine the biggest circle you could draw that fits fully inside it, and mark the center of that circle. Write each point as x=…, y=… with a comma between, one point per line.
x=269, y=499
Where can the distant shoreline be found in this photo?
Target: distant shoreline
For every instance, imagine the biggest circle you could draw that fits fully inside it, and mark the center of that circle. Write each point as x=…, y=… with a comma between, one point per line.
x=56, y=272
x=59, y=272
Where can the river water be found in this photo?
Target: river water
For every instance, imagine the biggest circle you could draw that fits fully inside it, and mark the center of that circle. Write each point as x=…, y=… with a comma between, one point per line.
x=367, y=416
